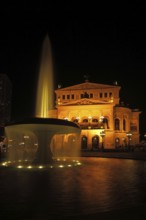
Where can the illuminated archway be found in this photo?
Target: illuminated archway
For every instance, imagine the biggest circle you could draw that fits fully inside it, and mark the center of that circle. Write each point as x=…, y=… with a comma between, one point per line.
x=117, y=124
x=84, y=142
x=117, y=143
x=95, y=142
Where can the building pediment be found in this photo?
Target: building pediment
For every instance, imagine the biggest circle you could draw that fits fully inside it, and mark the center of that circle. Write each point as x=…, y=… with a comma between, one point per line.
x=86, y=86
x=86, y=101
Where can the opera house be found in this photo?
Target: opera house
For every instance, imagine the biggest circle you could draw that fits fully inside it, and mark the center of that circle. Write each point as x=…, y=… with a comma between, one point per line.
x=105, y=122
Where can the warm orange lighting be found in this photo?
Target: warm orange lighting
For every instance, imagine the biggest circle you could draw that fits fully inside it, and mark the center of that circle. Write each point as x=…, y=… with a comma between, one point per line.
x=44, y=101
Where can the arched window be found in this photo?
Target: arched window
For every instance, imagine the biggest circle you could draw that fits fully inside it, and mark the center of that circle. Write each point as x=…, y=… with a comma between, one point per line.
x=95, y=120
x=95, y=142
x=124, y=124
x=75, y=120
x=85, y=120
x=105, y=122
x=84, y=142
x=117, y=124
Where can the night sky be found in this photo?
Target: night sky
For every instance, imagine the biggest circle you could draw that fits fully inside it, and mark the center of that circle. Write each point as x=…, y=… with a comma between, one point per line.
x=107, y=42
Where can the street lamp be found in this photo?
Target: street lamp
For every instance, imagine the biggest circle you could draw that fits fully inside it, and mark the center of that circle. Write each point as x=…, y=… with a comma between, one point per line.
x=102, y=134
x=101, y=121
x=101, y=118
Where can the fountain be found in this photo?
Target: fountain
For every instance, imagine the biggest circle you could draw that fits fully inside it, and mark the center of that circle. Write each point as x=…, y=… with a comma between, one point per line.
x=95, y=190
x=37, y=139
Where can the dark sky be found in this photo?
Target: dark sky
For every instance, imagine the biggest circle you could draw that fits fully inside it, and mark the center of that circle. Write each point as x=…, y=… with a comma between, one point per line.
x=107, y=42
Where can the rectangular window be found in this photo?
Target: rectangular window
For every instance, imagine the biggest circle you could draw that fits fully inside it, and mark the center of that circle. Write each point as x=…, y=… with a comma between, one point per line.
x=110, y=94
x=72, y=96
x=68, y=96
x=105, y=94
x=82, y=96
x=100, y=95
x=91, y=95
x=133, y=127
x=63, y=97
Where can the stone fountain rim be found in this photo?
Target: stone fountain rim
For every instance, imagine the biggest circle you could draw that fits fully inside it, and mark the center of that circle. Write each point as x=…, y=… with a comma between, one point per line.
x=36, y=120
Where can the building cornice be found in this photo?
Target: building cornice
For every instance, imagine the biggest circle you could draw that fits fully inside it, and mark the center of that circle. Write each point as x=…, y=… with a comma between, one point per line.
x=87, y=101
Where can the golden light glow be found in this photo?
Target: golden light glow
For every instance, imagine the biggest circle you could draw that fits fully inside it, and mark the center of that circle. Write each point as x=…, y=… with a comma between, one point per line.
x=61, y=166
x=19, y=166
x=111, y=99
x=26, y=136
x=44, y=101
x=24, y=164
x=4, y=164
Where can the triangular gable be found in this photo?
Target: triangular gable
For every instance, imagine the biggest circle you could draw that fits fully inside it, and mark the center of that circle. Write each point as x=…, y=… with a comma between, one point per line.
x=87, y=85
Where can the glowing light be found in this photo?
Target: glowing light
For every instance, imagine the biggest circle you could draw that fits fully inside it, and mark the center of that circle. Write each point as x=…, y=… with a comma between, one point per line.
x=19, y=166
x=64, y=164
x=4, y=164
x=112, y=99
x=101, y=118
x=26, y=137
x=21, y=143
x=61, y=166
x=89, y=117
x=44, y=101
x=69, y=165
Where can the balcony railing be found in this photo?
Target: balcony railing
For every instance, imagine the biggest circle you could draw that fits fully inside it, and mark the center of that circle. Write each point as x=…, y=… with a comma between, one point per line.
x=94, y=125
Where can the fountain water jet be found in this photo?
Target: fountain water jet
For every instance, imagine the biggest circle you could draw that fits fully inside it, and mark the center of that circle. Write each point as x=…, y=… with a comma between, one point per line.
x=41, y=129
x=45, y=89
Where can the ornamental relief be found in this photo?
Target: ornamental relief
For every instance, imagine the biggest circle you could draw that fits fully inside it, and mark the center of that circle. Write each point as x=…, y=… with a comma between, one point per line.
x=108, y=113
x=96, y=113
x=118, y=115
x=63, y=114
x=73, y=114
x=125, y=116
x=85, y=112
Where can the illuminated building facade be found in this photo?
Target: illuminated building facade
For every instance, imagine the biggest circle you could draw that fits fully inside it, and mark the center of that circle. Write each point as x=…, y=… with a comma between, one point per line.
x=105, y=122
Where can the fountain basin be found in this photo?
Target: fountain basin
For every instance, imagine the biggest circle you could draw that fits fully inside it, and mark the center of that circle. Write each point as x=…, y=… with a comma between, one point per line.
x=33, y=137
